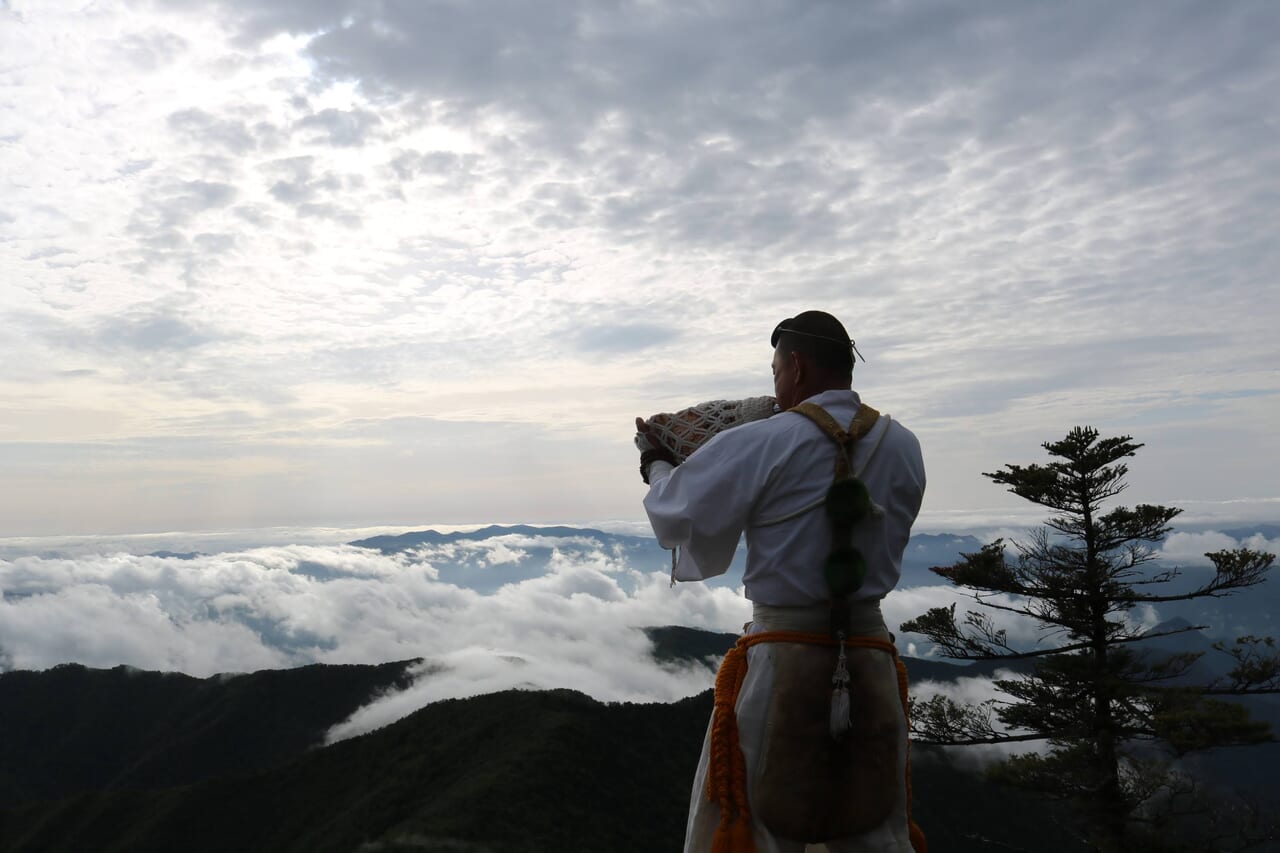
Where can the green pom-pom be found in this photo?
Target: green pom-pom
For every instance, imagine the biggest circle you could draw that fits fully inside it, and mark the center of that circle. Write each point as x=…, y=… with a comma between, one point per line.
x=848, y=501
x=845, y=571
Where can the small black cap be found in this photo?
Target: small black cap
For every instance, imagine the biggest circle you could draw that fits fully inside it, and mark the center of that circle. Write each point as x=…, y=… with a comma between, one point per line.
x=813, y=324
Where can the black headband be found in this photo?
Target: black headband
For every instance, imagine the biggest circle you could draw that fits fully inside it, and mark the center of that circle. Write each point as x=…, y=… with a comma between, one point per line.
x=782, y=328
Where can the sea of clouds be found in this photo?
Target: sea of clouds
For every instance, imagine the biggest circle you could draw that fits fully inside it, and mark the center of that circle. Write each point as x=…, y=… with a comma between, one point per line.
x=577, y=622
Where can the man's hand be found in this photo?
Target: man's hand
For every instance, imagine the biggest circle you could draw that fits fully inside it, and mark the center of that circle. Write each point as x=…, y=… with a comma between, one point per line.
x=651, y=449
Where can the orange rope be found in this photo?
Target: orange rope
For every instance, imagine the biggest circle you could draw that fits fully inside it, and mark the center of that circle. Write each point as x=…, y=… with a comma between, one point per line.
x=727, y=771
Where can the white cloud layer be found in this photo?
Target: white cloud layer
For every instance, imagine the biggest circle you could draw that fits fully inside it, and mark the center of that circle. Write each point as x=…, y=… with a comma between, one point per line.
x=286, y=262
x=975, y=691
x=575, y=626
x=532, y=608
x=1191, y=548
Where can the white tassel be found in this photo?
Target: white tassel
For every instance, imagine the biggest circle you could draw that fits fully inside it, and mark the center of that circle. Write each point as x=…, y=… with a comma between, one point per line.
x=840, y=724
x=841, y=712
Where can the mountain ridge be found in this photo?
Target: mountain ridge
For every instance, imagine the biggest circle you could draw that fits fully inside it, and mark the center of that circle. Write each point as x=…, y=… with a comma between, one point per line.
x=72, y=728
x=515, y=771
x=518, y=771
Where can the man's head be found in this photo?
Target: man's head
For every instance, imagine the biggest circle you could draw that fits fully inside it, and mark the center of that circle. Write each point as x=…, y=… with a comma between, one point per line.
x=812, y=353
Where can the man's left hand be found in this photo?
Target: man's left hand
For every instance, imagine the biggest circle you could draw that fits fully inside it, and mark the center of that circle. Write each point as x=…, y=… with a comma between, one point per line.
x=651, y=449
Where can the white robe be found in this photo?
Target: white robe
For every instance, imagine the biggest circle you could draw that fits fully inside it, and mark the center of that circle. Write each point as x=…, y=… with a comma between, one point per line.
x=747, y=477
x=743, y=481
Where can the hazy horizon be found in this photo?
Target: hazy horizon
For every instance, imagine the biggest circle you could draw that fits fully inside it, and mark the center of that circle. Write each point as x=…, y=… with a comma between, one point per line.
x=1196, y=516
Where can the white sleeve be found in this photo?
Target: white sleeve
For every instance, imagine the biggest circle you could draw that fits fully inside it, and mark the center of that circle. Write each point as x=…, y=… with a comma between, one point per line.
x=907, y=491
x=703, y=506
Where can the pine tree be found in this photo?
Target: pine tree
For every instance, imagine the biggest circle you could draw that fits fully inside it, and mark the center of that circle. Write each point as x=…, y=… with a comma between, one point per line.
x=1112, y=713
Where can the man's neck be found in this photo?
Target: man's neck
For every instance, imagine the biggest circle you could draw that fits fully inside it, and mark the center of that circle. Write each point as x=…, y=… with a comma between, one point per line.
x=822, y=387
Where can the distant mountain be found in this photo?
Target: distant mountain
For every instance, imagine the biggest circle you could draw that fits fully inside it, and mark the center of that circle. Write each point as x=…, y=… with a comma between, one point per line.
x=1223, y=766
x=1256, y=611
x=486, y=559
x=926, y=550
x=392, y=544
x=474, y=567
x=1270, y=531
x=470, y=564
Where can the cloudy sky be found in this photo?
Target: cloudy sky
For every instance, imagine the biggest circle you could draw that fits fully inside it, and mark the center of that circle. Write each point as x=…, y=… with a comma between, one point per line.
x=363, y=262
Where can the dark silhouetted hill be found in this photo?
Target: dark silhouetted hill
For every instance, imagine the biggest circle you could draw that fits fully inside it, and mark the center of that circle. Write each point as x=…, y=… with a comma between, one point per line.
x=126, y=760
x=138, y=761
x=676, y=644
x=513, y=771
x=71, y=728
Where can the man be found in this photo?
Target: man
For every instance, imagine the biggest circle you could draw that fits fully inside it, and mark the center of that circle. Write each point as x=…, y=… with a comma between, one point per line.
x=770, y=479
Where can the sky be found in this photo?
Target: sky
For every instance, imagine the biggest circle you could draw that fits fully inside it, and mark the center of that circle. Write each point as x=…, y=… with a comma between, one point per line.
x=346, y=262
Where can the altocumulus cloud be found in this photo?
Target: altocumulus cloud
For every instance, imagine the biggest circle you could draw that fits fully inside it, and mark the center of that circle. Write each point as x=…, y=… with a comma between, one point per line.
x=492, y=211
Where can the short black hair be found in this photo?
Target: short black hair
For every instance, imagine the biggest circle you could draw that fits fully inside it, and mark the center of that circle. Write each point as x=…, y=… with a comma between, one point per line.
x=820, y=337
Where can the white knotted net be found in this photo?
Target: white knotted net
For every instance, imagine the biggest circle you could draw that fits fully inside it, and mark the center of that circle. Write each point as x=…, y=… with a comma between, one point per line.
x=685, y=431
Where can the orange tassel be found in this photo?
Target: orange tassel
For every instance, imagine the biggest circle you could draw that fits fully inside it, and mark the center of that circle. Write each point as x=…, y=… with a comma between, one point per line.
x=727, y=773
x=736, y=838
x=918, y=843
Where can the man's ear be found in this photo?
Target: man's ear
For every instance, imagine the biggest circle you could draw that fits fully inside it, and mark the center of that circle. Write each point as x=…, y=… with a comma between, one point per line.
x=799, y=367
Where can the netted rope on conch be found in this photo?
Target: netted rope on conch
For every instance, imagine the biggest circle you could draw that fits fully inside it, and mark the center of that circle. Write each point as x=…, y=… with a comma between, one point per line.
x=685, y=431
